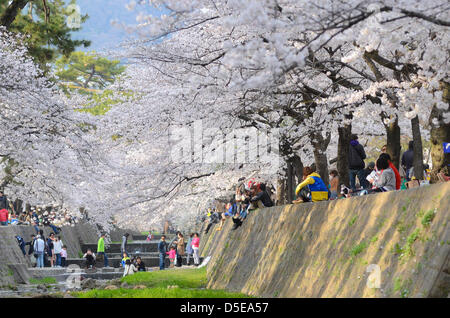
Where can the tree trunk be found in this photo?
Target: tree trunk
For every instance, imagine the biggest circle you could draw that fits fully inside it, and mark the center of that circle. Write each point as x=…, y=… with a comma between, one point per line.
x=393, y=142
x=418, y=151
x=320, y=146
x=345, y=133
x=281, y=191
x=290, y=183
x=439, y=133
x=298, y=169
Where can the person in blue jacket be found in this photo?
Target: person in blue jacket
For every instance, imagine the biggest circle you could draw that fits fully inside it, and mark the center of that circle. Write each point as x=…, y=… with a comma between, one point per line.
x=314, y=183
x=162, y=249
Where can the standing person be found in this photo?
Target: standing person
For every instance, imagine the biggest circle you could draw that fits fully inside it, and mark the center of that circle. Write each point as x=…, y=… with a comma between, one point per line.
x=101, y=249
x=4, y=215
x=63, y=256
x=57, y=248
x=180, y=249
x=31, y=248
x=356, y=156
x=334, y=184
x=314, y=183
x=39, y=249
x=195, y=246
x=3, y=201
x=123, y=246
x=162, y=249
x=189, y=250
x=50, y=247
x=408, y=160
x=172, y=255
x=129, y=269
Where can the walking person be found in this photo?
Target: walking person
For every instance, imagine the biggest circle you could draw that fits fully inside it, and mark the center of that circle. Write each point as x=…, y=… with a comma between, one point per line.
x=123, y=246
x=195, y=246
x=356, y=165
x=189, y=250
x=101, y=249
x=39, y=249
x=162, y=249
x=31, y=249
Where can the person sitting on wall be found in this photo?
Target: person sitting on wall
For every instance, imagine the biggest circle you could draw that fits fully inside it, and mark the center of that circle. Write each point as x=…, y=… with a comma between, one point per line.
x=387, y=181
x=398, y=179
x=260, y=198
x=317, y=188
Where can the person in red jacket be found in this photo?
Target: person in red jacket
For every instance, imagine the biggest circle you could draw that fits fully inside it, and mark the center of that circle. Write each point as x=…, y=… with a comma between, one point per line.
x=398, y=179
x=4, y=217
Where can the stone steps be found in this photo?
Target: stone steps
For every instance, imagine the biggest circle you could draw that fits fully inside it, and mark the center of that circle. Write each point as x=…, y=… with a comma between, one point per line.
x=149, y=261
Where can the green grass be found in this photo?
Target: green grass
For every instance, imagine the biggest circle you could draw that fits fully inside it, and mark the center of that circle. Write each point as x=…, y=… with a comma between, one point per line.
x=190, y=284
x=184, y=278
x=159, y=293
x=428, y=218
x=353, y=220
x=358, y=249
x=43, y=281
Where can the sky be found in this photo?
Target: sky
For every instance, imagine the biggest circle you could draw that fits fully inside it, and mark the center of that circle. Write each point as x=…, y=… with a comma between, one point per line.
x=98, y=28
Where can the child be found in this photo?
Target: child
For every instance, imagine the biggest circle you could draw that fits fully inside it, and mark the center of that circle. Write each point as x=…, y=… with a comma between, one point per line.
x=90, y=259
x=150, y=236
x=63, y=256
x=172, y=253
x=124, y=259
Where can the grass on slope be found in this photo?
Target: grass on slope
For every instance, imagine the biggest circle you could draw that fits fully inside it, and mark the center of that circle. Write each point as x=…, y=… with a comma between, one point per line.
x=189, y=283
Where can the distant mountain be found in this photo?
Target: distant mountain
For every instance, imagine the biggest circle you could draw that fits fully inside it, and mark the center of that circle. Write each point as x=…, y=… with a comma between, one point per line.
x=98, y=28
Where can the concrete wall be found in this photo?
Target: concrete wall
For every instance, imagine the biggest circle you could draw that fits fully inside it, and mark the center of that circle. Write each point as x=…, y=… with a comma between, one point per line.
x=72, y=237
x=325, y=249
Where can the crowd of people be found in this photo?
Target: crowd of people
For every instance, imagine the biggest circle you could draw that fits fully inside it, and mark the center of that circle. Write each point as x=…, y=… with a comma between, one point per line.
x=379, y=176
x=53, y=217
x=44, y=252
x=178, y=248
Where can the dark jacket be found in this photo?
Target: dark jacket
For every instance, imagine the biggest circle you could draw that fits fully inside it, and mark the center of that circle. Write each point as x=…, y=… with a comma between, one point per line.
x=162, y=248
x=3, y=202
x=264, y=197
x=356, y=156
x=140, y=267
x=408, y=157
x=31, y=249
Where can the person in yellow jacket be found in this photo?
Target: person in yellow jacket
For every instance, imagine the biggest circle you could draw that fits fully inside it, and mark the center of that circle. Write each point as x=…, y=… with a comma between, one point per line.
x=317, y=187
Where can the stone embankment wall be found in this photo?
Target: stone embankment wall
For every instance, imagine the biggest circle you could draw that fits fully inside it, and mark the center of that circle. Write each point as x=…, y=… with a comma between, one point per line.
x=72, y=237
x=338, y=248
